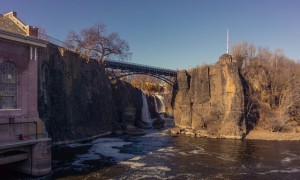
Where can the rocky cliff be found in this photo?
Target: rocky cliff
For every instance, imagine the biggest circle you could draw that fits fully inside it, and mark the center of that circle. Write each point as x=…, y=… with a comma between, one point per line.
x=75, y=98
x=128, y=103
x=210, y=100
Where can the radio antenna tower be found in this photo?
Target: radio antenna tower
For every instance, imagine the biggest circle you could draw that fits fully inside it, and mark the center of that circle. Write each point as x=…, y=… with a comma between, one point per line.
x=227, y=42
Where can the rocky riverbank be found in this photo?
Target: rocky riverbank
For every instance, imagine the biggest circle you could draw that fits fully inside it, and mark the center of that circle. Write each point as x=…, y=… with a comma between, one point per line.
x=256, y=134
x=278, y=136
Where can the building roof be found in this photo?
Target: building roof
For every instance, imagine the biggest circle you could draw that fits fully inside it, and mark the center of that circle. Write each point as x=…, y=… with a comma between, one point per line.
x=12, y=28
x=11, y=23
x=7, y=24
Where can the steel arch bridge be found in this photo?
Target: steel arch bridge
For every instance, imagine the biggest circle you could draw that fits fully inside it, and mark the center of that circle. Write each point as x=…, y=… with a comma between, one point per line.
x=118, y=69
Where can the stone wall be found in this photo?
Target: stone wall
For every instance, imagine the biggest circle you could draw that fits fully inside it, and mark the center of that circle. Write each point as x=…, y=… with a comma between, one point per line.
x=210, y=100
x=75, y=97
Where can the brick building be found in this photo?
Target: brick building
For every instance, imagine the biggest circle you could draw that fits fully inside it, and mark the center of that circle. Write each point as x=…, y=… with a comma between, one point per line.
x=19, y=54
x=20, y=127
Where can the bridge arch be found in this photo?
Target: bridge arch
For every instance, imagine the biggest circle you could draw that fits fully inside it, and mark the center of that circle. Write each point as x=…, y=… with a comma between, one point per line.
x=117, y=70
x=169, y=81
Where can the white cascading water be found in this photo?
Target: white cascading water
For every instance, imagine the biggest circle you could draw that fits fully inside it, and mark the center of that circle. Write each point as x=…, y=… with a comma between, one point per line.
x=159, y=104
x=155, y=103
x=145, y=111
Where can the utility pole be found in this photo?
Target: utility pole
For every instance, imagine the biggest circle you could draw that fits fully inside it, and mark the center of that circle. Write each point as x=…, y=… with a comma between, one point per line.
x=227, y=42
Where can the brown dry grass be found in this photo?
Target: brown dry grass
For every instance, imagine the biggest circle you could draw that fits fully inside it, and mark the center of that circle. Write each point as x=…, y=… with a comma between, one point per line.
x=267, y=135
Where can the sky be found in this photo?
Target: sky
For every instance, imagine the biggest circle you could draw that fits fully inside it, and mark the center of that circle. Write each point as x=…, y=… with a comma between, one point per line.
x=173, y=34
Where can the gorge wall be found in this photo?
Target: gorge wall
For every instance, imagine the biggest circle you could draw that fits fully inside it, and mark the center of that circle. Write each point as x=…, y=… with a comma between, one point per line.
x=127, y=102
x=77, y=101
x=75, y=98
x=210, y=100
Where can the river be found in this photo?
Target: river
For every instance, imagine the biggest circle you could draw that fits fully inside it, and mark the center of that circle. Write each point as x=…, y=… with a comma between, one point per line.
x=159, y=155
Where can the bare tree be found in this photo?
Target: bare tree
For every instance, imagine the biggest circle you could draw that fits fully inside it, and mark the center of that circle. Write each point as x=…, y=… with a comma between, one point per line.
x=243, y=53
x=95, y=43
x=274, y=86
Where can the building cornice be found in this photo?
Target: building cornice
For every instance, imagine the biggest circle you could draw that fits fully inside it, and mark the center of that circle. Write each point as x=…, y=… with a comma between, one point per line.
x=23, y=39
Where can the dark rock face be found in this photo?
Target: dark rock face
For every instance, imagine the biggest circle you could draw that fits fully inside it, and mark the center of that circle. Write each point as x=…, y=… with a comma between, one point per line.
x=158, y=123
x=211, y=99
x=75, y=99
x=127, y=102
x=168, y=106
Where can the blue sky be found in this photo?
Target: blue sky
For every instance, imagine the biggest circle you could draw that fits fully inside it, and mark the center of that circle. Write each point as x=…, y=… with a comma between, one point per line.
x=172, y=34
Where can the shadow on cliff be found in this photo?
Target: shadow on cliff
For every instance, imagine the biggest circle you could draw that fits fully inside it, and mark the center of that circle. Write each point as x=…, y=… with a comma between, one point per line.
x=250, y=115
x=174, y=93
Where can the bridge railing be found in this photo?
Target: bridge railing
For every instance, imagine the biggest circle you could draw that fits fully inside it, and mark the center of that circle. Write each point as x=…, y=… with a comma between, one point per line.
x=140, y=65
x=19, y=131
x=56, y=42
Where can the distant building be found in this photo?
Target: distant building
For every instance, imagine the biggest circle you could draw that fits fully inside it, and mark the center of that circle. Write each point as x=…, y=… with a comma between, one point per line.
x=19, y=118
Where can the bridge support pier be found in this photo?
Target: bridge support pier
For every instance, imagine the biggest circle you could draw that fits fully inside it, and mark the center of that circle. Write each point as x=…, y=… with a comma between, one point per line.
x=39, y=160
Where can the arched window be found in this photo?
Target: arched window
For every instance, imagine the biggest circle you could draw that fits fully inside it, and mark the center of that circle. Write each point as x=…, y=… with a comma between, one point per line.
x=8, y=85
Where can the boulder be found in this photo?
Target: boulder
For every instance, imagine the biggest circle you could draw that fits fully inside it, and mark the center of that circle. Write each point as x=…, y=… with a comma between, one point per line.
x=132, y=130
x=158, y=123
x=175, y=130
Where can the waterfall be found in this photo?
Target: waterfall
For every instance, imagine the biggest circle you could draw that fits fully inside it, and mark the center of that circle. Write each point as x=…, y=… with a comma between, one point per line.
x=145, y=111
x=159, y=104
x=155, y=103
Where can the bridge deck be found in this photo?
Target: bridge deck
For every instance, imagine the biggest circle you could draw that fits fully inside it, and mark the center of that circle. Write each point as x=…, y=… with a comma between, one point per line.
x=139, y=68
x=118, y=69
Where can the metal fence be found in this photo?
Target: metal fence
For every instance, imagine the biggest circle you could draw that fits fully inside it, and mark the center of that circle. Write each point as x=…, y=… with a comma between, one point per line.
x=20, y=131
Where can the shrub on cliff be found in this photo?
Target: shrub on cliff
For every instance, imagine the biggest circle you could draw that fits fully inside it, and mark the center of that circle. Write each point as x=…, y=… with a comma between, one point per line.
x=272, y=87
x=147, y=83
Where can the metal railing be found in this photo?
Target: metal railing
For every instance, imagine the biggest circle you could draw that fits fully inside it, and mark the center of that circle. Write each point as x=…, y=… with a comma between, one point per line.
x=53, y=40
x=17, y=131
x=141, y=66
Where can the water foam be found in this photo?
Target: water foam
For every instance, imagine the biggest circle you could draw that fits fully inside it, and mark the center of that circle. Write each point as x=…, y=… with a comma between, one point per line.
x=168, y=149
x=292, y=170
x=133, y=165
x=84, y=157
x=110, y=147
x=159, y=168
x=292, y=157
x=136, y=158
